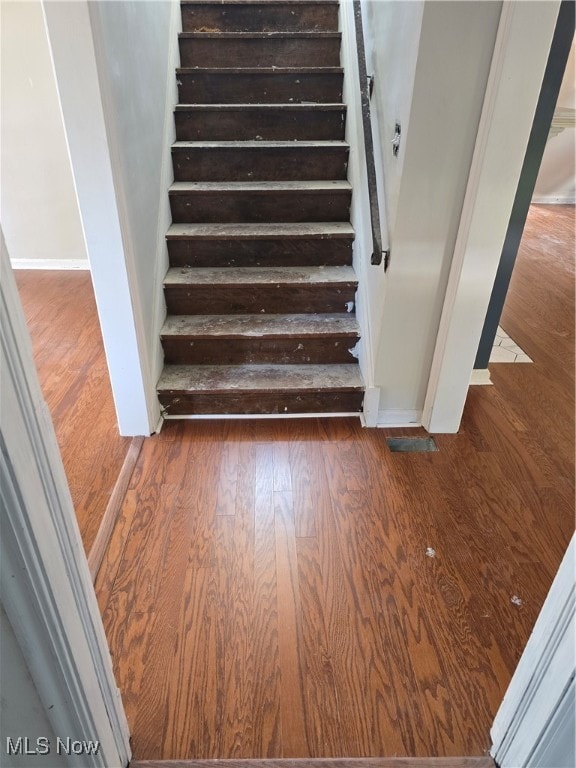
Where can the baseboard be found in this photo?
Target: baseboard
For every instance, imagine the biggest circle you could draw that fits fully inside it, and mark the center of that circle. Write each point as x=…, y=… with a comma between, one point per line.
x=481, y=377
x=258, y=416
x=399, y=418
x=50, y=263
x=553, y=200
x=98, y=549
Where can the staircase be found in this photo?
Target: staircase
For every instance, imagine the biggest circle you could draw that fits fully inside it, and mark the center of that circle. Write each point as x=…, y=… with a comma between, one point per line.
x=260, y=290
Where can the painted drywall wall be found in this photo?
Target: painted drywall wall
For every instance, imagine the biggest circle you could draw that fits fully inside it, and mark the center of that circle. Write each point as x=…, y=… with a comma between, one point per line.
x=370, y=278
x=556, y=179
x=138, y=87
x=39, y=209
x=115, y=288
x=455, y=47
x=392, y=38
x=378, y=37
x=21, y=710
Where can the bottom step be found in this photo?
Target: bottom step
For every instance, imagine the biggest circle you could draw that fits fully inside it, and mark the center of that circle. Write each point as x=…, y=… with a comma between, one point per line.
x=337, y=762
x=186, y=390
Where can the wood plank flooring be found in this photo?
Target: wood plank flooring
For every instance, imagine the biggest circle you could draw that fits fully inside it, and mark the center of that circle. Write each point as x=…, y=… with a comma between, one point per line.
x=392, y=762
x=61, y=315
x=268, y=591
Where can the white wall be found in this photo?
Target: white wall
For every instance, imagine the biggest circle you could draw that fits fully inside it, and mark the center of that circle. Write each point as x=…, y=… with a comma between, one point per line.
x=556, y=182
x=136, y=49
x=380, y=50
x=39, y=210
x=392, y=38
x=441, y=103
x=117, y=88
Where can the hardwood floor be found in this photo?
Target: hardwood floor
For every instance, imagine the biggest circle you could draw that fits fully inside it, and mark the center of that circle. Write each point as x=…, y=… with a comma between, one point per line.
x=61, y=315
x=391, y=762
x=269, y=590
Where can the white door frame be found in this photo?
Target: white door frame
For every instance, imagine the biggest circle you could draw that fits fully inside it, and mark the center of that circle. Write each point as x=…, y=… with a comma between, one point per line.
x=532, y=720
x=104, y=227
x=520, y=56
x=46, y=589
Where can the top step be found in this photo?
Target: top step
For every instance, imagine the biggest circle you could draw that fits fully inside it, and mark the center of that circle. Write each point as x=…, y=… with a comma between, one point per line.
x=259, y=16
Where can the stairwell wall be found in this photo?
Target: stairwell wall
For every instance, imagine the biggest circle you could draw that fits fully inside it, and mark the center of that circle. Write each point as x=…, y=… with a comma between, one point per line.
x=136, y=46
x=114, y=65
x=431, y=63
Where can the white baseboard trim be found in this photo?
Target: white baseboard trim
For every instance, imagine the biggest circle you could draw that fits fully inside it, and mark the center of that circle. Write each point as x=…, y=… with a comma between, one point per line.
x=481, y=377
x=260, y=416
x=50, y=263
x=399, y=418
x=553, y=200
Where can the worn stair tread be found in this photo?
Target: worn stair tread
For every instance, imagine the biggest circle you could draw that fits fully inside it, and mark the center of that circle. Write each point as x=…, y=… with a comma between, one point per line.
x=259, y=70
x=217, y=187
x=260, y=144
x=274, y=231
x=260, y=275
x=260, y=326
x=259, y=2
x=260, y=35
x=237, y=107
x=260, y=378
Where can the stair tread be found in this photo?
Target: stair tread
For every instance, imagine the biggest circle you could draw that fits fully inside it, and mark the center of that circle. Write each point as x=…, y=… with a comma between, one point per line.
x=285, y=107
x=261, y=231
x=216, y=378
x=260, y=70
x=179, y=187
x=259, y=2
x=271, y=326
x=261, y=275
x=298, y=35
x=259, y=144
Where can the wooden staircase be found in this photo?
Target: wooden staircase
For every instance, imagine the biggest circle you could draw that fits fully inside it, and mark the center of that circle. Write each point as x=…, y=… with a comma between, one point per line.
x=260, y=290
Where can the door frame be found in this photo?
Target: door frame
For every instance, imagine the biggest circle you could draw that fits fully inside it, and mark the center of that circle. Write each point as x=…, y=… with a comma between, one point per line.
x=46, y=589
x=521, y=51
x=555, y=68
x=534, y=717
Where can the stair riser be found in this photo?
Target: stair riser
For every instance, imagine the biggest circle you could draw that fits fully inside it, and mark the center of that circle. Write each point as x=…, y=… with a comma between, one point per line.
x=267, y=124
x=260, y=52
x=260, y=164
x=253, y=18
x=260, y=253
x=253, y=299
x=184, y=404
x=295, y=350
x=250, y=207
x=259, y=88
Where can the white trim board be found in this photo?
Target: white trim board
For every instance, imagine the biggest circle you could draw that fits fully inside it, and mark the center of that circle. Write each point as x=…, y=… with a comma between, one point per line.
x=260, y=416
x=480, y=377
x=93, y=172
x=533, y=701
x=46, y=590
x=391, y=418
x=553, y=200
x=61, y=264
x=520, y=56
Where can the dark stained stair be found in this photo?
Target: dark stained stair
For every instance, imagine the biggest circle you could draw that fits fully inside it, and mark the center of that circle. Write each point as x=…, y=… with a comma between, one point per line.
x=260, y=291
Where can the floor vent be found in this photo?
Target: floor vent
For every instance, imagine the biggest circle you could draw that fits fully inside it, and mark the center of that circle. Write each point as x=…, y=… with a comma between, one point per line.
x=411, y=444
